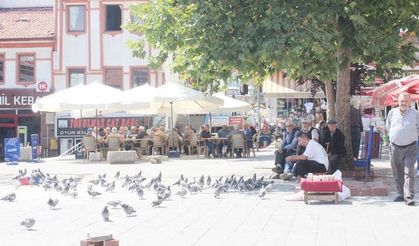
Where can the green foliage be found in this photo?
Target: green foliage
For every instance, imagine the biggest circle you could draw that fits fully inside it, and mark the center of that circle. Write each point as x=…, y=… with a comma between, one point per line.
x=209, y=41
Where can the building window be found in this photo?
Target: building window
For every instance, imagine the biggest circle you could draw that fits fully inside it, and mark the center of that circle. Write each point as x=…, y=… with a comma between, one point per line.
x=1, y=68
x=113, y=18
x=140, y=76
x=114, y=77
x=76, y=76
x=76, y=18
x=26, y=69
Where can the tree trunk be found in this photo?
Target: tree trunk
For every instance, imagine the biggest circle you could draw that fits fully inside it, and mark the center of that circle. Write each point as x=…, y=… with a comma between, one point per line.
x=331, y=102
x=343, y=104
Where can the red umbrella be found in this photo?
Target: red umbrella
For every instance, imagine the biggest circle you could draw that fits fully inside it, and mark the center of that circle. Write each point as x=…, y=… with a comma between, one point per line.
x=385, y=94
x=412, y=88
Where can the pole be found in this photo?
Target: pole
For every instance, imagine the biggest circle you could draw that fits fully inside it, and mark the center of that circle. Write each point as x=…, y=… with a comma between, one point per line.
x=258, y=108
x=172, y=125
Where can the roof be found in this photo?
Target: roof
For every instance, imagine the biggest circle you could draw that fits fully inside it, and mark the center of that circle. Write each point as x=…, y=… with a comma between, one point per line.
x=26, y=23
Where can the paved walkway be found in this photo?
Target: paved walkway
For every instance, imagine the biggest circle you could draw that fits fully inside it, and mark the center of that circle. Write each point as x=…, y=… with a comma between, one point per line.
x=234, y=219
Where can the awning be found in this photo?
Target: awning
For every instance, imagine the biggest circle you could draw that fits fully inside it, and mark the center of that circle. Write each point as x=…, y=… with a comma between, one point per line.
x=272, y=89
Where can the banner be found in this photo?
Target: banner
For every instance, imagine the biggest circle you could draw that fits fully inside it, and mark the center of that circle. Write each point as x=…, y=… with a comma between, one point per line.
x=34, y=144
x=11, y=149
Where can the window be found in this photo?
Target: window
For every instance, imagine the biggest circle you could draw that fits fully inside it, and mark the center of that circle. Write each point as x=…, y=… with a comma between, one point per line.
x=113, y=18
x=113, y=77
x=26, y=69
x=1, y=68
x=76, y=18
x=76, y=76
x=139, y=76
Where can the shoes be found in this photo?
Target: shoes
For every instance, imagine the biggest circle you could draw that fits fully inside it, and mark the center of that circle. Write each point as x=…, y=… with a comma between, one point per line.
x=286, y=176
x=276, y=176
x=277, y=169
x=398, y=199
x=409, y=201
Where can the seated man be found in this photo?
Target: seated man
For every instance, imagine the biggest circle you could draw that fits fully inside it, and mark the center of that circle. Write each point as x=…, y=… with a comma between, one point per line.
x=187, y=136
x=223, y=133
x=249, y=136
x=313, y=160
x=205, y=135
x=287, y=148
x=236, y=130
x=336, y=150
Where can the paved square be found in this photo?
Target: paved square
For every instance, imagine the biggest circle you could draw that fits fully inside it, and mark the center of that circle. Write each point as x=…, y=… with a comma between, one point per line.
x=198, y=219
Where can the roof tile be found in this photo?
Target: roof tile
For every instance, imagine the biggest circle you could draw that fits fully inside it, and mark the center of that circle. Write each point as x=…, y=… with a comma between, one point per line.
x=26, y=23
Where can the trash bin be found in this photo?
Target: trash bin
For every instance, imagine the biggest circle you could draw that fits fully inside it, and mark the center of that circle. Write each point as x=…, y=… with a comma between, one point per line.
x=79, y=154
x=376, y=140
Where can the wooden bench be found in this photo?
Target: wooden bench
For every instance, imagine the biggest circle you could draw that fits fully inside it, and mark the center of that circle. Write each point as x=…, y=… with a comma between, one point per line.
x=122, y=157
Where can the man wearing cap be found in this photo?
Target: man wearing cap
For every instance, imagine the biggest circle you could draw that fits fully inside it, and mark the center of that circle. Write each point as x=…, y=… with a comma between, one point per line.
x=223, y=133
x=336, y=150
x=402, y=126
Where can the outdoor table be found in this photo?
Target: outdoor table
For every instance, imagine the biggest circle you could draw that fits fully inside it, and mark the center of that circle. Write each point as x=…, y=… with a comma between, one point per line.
x=215, y=141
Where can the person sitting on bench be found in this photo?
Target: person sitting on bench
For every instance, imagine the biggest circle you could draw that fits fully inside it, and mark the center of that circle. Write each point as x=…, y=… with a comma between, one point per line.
x=313, y=160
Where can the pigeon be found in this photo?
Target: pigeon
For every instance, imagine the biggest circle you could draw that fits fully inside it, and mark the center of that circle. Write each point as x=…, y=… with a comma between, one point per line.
x=140, y=192
x=73, y=194
x=52, y=203
x=262, y=192
x=93, y=193
x=105, y=214
x=182, y=192
x=157, y=202
x=201, y=181
x=117, y=174
x=128, y=209
x=167, y=193
x=28, y=223
x=10, y=197
x=114, y=204
x=94, y=181
x=269, y=186
x=209, y=180
x=111, y=187
x=218, y=191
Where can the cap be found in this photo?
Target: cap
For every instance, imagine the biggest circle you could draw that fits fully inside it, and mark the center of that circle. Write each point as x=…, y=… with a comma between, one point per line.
x=332, y=122
x=306, y=120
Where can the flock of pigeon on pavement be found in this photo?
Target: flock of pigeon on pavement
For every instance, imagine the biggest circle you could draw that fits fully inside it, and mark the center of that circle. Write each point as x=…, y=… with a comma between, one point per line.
x=138, y=183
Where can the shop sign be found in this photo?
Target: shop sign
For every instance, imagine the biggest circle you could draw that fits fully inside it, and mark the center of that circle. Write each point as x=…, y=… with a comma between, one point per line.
x=219, y=120
x=76, y=127
x=19, y=98
x=235, y=120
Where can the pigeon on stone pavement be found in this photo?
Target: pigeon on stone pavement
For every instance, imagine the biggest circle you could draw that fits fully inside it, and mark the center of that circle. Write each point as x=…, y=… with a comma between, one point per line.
x=105, y=214
x=114, y=204
x=182, y=192
x=209, y=180
x=117, y=174
x=140, y=192
x=262, y=192
x=128, y=209
x=52, y=203
x=111, y=187
x=157, y=202
x=28, y=223
x=10, y=197
x=218, y=191
x=93, y=193
x=167, y=193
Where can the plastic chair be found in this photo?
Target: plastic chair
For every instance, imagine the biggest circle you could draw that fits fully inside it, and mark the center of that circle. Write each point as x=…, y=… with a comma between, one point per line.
x=237, y=142
x=114, y=143
x=367, y=161
x=89, y=143
x=194, y=143
x=159, y=142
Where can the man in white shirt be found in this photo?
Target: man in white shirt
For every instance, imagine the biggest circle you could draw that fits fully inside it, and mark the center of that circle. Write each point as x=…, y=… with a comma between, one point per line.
x=313, y=160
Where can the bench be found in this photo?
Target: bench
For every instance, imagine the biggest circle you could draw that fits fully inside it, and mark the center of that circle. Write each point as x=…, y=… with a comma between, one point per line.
x=122, y=157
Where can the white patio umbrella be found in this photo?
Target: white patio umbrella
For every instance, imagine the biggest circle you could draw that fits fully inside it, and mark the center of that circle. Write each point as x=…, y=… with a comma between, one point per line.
x=81, y=97
x=137, y=100
x=231, y=105
x=183, y=100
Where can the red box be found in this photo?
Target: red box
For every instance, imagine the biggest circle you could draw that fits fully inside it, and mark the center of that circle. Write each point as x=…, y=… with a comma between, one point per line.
x=24, y=181
x=321, y=186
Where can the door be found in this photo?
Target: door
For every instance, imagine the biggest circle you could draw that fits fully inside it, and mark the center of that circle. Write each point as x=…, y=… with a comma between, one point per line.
x=65, y=144
x=23, y=135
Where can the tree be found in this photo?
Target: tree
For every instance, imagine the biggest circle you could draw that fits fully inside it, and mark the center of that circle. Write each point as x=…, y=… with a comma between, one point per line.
x=207, y=40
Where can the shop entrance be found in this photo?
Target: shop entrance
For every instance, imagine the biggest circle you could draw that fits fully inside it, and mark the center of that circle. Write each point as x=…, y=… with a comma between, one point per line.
x=8, y=124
